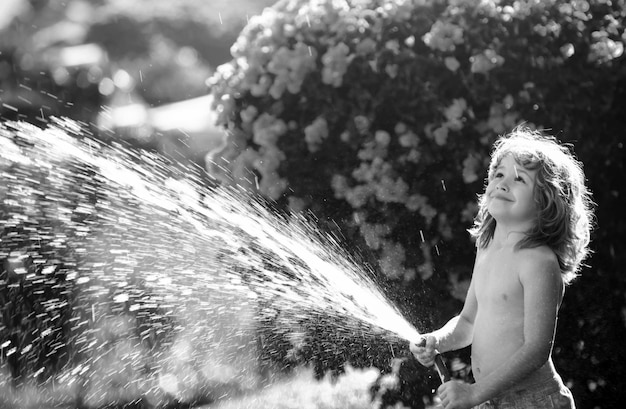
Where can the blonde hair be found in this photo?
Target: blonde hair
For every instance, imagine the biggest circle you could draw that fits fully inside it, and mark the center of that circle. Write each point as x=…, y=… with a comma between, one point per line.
x=565, y=209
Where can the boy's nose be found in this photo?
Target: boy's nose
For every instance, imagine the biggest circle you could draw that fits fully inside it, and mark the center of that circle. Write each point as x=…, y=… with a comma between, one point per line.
x=502, y=186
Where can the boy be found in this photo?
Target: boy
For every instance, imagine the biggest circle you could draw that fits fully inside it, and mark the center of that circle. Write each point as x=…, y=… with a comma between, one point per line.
x=532, y=233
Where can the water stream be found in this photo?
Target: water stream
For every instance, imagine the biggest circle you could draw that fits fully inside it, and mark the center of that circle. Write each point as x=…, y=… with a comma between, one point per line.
x=125, y=276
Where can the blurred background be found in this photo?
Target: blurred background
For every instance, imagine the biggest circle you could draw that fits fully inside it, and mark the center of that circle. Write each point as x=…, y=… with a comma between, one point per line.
x=134, y=70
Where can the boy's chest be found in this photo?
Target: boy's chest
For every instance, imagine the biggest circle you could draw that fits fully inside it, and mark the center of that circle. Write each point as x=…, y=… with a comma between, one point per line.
x=497, y=280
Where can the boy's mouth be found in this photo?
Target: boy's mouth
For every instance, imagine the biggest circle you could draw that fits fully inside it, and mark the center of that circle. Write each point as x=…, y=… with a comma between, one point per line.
x=501, y=197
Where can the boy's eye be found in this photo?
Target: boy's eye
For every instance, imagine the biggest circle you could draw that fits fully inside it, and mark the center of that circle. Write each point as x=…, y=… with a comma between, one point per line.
x=498, y=175
x=520, y=179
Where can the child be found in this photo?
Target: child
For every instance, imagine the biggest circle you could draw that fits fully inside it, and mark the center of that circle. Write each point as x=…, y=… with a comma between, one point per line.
x=532, y=232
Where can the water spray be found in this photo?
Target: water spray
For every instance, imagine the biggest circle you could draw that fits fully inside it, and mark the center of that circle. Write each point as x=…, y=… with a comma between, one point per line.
x=153, y=269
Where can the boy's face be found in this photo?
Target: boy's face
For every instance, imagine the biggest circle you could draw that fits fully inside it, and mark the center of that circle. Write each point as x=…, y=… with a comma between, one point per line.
x=509, y=193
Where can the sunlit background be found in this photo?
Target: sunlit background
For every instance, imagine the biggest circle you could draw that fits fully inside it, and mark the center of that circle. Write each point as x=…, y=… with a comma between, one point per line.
x=134, y=69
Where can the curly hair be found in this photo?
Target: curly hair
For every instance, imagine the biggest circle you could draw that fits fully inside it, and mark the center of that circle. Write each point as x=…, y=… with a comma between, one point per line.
x=565, y=209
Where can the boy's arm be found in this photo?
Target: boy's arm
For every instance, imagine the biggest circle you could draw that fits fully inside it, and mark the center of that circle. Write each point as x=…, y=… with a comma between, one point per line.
x=455, y=334
x=458, y=332
x=540, y=277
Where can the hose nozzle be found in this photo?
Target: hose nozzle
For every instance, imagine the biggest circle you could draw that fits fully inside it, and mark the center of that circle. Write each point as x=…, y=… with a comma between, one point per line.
x=440, y=366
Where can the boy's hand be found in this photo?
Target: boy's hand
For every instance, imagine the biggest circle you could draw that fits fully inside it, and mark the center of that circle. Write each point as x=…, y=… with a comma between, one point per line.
x=425, y=350
x=457, y=395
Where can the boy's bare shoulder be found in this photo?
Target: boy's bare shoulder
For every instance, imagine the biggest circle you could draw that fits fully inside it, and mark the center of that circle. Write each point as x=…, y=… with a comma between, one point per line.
x=539, y=260
x=542, y=253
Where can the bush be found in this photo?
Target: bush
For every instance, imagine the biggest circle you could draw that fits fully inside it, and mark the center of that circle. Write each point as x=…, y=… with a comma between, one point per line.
x=379, y=115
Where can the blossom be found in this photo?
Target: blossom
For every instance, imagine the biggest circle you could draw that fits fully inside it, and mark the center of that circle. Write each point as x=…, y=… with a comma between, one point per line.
x=373, y=234
x=392, y=259
x=451, y=63
x=382, y=138
x=391, y=70
x=400, y=128
x=454, y=112
x=296, y=204
x=401, y=10
x=364, y=173
x=375, y=149
x=603, y=49
x=267, y=129
x=413, y=156
x=290, y=68
x=408, y=140
x=271, y=185
x=315, y=133
x=426, y=270
x=428, y=213
x=336, y=61
x=224, y=106
x=501, y=118
x=359, y=195
x=390, y=190
x=268, y=160
x=366, y=46
x=470, y=166
x=262, y=87
x=469, y=212
x=443, y=226
x=241, y=168
x=415, y=202
x=249, y=113
x=485, y=61
x=459, y=286
x=567, y=50
x=443, y=36
x=441, y=135
x=279, y=66
x=339, y=184
x=393, y=45
x=362, y=124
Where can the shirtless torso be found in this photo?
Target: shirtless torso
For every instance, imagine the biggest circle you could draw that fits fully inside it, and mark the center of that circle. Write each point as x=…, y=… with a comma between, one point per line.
x=498, y=330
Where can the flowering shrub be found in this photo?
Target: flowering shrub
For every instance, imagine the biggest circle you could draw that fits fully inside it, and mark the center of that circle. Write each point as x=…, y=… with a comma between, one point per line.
x=379, y=114
x=389, y=107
